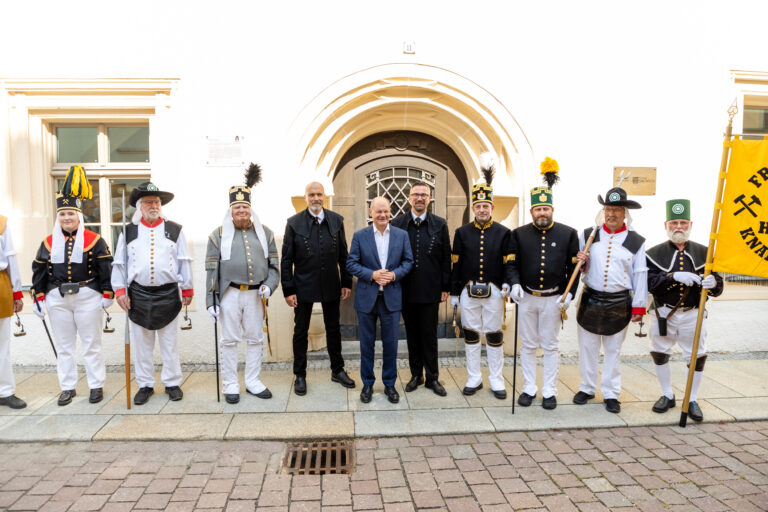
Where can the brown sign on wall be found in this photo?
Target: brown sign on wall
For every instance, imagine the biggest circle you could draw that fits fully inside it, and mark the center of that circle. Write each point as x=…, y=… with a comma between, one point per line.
x=641, y=181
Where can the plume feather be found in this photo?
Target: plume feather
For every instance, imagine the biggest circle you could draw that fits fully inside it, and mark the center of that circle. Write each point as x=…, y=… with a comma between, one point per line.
x=252, y=175
x=550, y=169
x=488, y=166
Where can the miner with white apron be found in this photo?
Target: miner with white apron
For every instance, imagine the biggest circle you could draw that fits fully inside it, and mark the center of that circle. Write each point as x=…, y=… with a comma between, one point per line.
x=10, y=303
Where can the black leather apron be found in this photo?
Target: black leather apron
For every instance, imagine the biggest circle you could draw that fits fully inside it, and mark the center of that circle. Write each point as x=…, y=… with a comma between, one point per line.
x=604, y=313
x=154, y=307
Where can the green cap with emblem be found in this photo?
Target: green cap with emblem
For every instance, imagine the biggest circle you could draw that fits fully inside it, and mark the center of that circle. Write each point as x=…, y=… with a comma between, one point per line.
x=679, y=209
x=541, y=196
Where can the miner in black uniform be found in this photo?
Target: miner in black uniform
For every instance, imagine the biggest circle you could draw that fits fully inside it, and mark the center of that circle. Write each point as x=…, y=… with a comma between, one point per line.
x=544, y=259
x=71, y=280
x=675, y=269
x=313, y=269
x=480, y=279
x=425, y=287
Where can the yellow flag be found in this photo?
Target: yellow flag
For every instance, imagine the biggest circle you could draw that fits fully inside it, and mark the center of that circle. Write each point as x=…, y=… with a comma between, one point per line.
x=742, y=237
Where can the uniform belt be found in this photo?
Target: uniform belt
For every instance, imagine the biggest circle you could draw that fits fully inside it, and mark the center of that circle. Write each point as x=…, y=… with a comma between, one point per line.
x=81, y=283
x=245, y=287
x=681, y=308
x=543, y=293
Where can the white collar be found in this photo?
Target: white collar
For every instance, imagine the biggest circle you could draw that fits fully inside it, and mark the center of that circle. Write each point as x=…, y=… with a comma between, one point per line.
x=376, y=230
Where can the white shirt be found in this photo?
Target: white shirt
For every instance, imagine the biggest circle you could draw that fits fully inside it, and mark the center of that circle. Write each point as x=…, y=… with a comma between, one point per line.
x=320, y=216
x=613, y=268
x=8, y=259
x=421, y=217
x=382, y=246
x=153, y=259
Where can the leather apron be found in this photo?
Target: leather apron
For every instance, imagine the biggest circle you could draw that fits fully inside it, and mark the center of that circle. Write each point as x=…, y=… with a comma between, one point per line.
x=6, y=295
x=604, y=313
x=154, y=307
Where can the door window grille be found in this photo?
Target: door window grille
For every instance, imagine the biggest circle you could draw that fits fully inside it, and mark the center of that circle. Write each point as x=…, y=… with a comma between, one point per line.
x=395, y=184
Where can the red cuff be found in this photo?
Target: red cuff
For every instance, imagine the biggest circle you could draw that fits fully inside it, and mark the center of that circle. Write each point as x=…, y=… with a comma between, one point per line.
x=188, y=292
x=638, y=311
x=109, y=295
x=18, y=295
x=119, y=292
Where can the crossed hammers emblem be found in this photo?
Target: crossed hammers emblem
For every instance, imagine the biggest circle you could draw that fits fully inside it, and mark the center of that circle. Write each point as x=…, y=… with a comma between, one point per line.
x=746, y=206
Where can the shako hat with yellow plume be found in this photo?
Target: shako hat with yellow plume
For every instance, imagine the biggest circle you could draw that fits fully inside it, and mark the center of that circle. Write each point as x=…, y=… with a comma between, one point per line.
x=75, y=189
x=242, y=193
x=483, y=192
x=542, y=196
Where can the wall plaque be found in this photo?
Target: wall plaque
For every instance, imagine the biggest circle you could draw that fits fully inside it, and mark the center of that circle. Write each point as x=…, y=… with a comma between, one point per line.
x=641, y=181
x=224, y=151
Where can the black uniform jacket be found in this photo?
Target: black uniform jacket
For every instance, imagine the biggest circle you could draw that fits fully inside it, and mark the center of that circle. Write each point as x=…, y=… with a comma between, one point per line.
x=96, y=265
x=481, y=253
x=544, y=258
x=312, y=257
x=431, y=248
x=665, y=259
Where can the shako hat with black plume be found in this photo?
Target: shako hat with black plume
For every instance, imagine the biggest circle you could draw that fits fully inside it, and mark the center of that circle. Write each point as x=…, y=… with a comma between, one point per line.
x=242, y=193
x=74, y=191
x=483, y=192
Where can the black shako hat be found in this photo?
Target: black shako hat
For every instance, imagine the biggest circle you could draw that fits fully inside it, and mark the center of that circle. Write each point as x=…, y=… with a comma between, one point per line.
x=149, y=189
x=617, y=196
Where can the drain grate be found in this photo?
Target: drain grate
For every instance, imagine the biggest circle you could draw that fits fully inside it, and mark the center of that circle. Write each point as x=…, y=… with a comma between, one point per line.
x=319, y=458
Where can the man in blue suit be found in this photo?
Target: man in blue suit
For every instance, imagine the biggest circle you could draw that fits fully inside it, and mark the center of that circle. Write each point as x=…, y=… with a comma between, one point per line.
x=380, y=257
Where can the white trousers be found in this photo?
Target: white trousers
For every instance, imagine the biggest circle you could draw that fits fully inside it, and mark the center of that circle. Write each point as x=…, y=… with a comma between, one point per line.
x=589, y=353
x=7, y=383
x=483, y=316
x=680, y=329
x=540, y=321
x=143, y=347
x=241, y=319
x=70, y=316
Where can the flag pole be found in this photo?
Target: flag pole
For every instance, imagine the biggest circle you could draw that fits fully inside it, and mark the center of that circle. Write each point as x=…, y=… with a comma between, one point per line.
x=708, y=265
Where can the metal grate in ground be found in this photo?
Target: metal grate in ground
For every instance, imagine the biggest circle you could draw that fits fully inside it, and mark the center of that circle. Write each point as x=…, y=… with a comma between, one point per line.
x=319, y=458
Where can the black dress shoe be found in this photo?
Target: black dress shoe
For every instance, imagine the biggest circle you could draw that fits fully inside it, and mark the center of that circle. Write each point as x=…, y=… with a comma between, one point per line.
x=525, y=399
x=342, y=378
x=694, y=411
x=266, y=394
x=392, y=394
x=366, y=394
x=97, y=395
x=471, y=391
x=66, y=396
x=300, y=385
x=13, y=402
x=549, y=402
x=413, y=384
x=174, y=393
x=612, y=405
x=581, y=398
x=232, y=398
x=663, y=404
x=142, y=395
x=436, y=387
x=501, y=394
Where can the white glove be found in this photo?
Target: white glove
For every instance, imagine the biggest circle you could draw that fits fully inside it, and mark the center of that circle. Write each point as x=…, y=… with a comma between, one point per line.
x=565, y=303
x=709, y=282
x=517, y=293
x=687, y=278
x=454, y=301
x=214, y=312
x=264, y=291
x=105, y=302
x=39, y=309
x=505, y=290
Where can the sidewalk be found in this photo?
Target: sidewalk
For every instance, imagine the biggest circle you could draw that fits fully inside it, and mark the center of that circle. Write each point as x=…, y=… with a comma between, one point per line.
x=732, y=390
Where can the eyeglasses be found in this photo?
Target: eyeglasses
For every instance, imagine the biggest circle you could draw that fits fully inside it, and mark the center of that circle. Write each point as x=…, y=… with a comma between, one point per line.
x=419, y=195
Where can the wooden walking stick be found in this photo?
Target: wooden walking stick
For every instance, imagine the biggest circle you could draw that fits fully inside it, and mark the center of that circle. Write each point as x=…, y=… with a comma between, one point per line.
x=127, y=330
x=708, y=264
x=587, y=245
x=265, y=305
x=514, y=364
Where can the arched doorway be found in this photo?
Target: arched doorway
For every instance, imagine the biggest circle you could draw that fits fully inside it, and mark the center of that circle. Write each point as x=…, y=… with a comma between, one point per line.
x=388, y=164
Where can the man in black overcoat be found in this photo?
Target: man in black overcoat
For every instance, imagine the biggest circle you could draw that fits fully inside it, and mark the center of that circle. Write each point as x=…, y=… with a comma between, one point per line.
x=313, y=269
x=425, y=287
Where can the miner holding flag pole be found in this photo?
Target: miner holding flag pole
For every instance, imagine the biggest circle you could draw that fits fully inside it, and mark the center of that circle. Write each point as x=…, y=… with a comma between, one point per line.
x=735, y=242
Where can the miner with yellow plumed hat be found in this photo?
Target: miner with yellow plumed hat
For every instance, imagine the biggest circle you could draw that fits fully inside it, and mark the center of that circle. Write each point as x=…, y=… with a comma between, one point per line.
x=242, y=269
x=480, y=278
x=71, y=280
x=544, y=256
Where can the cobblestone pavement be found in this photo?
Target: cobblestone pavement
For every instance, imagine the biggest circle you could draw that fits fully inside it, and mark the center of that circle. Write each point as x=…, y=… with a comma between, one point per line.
x=702, y=467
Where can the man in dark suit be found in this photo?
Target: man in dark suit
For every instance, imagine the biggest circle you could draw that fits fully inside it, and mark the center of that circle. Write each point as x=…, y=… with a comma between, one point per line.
x=314, y=253
x=426, y=286
x=380, y=257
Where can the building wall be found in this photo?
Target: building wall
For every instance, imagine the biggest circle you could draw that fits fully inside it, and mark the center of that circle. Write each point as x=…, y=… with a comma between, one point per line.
x=594, y=85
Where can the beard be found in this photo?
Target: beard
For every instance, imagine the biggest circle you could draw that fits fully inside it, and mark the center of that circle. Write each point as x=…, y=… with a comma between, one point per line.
x=679, y=236
x=316, y=208
x=242, y=223
x=542, y=222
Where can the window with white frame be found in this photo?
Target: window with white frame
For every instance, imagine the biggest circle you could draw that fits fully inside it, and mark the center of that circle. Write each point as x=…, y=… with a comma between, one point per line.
x=116, y=159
